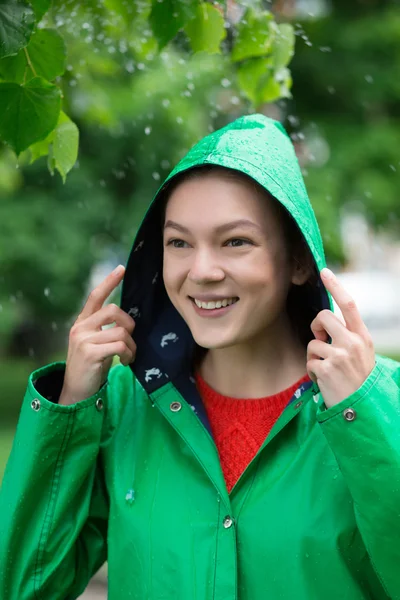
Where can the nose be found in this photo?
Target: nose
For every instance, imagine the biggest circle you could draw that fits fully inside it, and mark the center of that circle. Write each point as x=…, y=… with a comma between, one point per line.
x=205, y=268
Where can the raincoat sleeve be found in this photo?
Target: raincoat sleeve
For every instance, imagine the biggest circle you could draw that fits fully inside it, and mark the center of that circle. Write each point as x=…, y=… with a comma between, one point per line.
x=366, y=445
x=53, y=501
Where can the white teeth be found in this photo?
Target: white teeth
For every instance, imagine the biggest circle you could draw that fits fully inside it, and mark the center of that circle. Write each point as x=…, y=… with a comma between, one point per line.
x=213, y=305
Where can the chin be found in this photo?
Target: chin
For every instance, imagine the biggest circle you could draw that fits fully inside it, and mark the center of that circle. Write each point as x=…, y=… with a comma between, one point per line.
x=214, y=342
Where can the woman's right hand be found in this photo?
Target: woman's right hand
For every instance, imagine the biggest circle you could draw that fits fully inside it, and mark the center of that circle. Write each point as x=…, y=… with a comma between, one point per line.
x=91, y=349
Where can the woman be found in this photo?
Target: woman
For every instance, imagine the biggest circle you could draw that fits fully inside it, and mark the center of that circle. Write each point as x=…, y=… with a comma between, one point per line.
x=251, y=450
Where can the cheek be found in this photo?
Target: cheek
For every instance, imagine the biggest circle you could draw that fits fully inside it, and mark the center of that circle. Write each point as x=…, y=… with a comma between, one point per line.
x=256, y=273
x=172, y=275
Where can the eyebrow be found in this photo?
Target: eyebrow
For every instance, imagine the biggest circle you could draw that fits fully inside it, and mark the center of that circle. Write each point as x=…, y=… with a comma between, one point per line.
x=221, y=229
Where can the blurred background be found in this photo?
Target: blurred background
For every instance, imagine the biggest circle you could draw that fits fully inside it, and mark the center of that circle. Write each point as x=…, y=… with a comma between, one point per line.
x=139, y=111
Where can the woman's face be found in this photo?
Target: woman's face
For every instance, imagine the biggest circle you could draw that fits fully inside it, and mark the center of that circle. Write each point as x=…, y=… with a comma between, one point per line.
x=223, y=241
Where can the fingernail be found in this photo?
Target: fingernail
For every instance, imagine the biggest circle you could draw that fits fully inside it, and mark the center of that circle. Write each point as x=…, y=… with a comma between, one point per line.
x=327, y=273
x=118, y=270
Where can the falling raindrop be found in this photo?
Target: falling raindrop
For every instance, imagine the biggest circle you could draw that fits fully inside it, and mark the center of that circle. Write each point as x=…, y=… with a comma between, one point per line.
x=46, y=292
x=293, y=120
x=147, y=130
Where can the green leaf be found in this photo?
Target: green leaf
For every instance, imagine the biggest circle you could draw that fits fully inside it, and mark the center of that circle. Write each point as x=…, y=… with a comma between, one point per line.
x=254, y=35
x=61, y=146
x=16, y=25
x=168, y=17
x=40, y=7
x=28, y=112
x=13, y=68
x=39, y=149
x=207, y=30
x=283, y=46
x=256, y=79
x=47, y=53
x=47, y=58
x=127, y=11
x=65, y=146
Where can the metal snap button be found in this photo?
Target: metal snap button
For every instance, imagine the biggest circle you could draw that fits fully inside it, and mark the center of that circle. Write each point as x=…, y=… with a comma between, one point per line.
x=349, y=414
x=298, y=404
x=35, y=404
x=99, y=404
x=228, y=522
x=175, y=406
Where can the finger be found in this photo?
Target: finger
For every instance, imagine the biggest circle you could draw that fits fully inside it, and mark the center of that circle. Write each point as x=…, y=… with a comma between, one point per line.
x=99, y=295
x=317, y=350
x=108, y=315
x=344, y=301
x=114, y=334
x=314, y=369
x=327, y=324
x=119, y=348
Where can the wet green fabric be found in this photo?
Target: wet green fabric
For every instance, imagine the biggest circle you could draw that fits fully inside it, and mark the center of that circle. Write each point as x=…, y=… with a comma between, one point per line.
x=136, y=478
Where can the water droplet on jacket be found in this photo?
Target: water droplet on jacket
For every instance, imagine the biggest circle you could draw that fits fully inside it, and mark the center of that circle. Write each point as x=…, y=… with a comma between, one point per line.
x=130, y=496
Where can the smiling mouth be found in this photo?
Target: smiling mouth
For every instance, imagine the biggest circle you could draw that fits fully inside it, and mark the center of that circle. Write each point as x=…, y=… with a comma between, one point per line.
x=212, y=305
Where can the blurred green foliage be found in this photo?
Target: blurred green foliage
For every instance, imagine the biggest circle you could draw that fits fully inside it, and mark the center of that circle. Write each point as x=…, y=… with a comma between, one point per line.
x=347, y=105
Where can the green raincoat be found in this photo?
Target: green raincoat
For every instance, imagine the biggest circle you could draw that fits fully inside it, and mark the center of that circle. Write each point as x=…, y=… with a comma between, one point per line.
x=132, y=474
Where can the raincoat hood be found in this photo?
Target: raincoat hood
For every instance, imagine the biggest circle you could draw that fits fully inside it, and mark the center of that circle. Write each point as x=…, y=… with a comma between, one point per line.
x=258, y=147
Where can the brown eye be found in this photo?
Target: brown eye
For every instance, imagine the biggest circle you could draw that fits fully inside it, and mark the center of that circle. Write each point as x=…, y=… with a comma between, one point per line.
x=175, y=243
x=240, y=243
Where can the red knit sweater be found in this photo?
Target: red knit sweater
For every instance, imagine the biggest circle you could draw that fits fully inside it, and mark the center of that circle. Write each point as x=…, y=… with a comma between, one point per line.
x=240, y=426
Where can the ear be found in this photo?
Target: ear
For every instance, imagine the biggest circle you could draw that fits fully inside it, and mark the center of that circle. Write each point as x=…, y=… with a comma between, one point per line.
x=301, y=271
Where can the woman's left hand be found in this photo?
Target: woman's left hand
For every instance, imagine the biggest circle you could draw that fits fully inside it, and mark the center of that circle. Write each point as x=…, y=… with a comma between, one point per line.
x=350, y=358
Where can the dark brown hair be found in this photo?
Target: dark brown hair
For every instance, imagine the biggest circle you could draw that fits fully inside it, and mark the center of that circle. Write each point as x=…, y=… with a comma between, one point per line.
x=299, y=300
